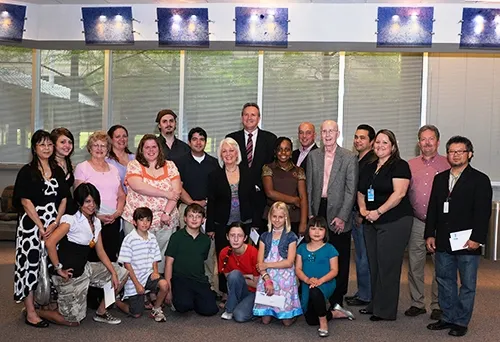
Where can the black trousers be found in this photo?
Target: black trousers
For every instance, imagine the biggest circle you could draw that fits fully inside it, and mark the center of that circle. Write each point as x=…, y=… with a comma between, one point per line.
x=220, y=243
x=316, y=307
x=342, y=243
x=188, y=294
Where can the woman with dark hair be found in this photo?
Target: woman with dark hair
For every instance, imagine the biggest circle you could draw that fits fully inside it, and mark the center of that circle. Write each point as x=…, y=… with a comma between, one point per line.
x=40, y=194
x=155, y=183
x=285, y=182
x=69, y=248
x=63, y=141
x=383, y=202
x=119, y=154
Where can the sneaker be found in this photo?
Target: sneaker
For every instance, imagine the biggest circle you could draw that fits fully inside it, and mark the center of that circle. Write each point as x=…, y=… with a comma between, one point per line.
x=172, y=307
x=158, y=315
x=227, y=315
x=106, y=317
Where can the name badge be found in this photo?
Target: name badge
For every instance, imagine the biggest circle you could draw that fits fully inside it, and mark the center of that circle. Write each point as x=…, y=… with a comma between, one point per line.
x=371, y=195
x=446, y=207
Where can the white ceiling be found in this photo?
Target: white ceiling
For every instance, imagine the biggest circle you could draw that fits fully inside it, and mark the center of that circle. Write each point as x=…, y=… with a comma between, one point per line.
x=264, y=2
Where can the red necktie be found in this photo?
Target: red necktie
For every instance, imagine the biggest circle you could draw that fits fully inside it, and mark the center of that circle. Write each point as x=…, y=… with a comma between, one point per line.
x=250, y=149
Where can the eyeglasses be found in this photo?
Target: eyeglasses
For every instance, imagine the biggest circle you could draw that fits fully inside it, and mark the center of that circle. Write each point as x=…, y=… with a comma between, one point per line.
x=236, y=236
x=99, y=146
x=458, y=153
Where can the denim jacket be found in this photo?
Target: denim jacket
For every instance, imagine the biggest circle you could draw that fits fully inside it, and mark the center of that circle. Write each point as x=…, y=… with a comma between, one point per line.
x=285, y=240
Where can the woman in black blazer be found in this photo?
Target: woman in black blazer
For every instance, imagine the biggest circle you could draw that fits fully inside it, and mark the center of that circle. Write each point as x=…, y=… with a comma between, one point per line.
x=230, y=193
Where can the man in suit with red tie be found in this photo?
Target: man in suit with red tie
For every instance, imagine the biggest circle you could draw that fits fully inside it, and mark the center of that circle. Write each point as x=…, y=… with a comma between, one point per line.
x=257, y=149
x=307, y=136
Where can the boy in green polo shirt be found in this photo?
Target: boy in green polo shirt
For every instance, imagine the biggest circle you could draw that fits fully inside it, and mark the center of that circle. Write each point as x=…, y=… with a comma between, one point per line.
x=186, y=253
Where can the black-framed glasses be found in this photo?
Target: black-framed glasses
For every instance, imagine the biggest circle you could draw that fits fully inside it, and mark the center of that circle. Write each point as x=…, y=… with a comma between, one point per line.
x=458, y=152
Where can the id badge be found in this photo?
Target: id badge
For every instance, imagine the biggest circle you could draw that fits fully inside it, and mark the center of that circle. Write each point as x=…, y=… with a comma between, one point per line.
x=446, y=207
x=371, y=195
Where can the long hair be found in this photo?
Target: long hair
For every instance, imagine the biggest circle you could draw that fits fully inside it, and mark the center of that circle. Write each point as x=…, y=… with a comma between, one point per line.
x=111, y=131
x=160, y=160
x=38, y=137
x=395, y=149
x=54, y=135
x=277, y=206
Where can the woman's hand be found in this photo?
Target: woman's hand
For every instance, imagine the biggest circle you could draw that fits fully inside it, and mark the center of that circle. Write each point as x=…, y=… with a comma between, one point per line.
x=372, y=216
x=302, y=228
x=261, y=267
x=165, y=219
x=66, y=274
x=155, y=275
x=50, y=229
x=269, y=288
x=106, y=219
x=42, y=232
x=363, y=212
x=115, y=281
x=315, y=282
x=296, y=201
x=173, y=195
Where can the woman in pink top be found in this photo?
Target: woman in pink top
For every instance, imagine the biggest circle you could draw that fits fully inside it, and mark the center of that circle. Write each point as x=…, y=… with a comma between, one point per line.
x=155, y=183
x=106, y=178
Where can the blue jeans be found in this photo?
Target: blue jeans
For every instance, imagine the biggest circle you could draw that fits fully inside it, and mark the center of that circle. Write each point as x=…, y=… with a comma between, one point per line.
x=239, y=299
x=457, y=305
x=362, y=268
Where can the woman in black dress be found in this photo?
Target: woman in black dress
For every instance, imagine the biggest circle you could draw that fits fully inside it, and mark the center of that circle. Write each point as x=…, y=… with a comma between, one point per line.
x=40, y=195
x=63, y=141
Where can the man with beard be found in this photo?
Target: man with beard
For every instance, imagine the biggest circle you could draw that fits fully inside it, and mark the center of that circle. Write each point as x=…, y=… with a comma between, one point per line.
x=172, y=147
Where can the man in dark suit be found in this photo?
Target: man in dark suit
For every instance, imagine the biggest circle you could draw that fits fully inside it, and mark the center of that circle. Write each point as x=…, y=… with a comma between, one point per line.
x=257, y=149
x=307, y=136
x=460, y=201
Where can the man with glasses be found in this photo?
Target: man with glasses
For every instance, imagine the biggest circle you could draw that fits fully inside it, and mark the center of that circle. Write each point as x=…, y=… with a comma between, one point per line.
x=332, y=179
x=423, y=169
x=456, y=226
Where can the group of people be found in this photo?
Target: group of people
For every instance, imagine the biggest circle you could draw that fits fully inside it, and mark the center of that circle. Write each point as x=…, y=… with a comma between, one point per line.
x=170, y=224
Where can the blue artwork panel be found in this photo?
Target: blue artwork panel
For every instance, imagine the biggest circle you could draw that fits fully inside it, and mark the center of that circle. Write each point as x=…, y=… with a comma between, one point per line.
x=480, y=28
x=405, y=26
x=12, y=22
x=183, y=26
x=108, y=25
x=261, y=26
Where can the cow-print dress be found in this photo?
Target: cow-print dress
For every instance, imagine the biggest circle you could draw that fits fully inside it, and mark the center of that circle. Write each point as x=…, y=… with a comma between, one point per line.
x=46, y=196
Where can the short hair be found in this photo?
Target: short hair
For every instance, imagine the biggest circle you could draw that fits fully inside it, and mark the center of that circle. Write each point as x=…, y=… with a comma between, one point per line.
x=279, y=206
x=428, y=128
x=142, y=212
x=250, y=104
x=237, y=224
x=278, y=143
x=139, y=156
x=85, y=190
x=458, y=139
x=198, y=130
x=164, y=112
x=98, y=136
x=369, y=129
x=230, y=142
x=195, y=209
x=395, y=149
x=111, y=131
x=317, y=221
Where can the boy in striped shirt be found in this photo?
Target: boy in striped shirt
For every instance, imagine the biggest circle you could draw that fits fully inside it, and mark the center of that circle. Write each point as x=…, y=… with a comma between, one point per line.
x=140, y=255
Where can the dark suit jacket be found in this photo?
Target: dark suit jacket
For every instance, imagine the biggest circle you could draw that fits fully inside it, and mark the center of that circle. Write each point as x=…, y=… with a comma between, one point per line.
x=469, y=208
x=296, y=154
x=219, y=198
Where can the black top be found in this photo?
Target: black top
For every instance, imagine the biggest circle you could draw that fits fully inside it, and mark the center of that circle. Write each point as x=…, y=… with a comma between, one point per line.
x=73, y=255
x=194, y=175
x=383, y=187
x=367, y=159
x=179, y=148
x=189, y=255
x=469, y=208
x=71, y=206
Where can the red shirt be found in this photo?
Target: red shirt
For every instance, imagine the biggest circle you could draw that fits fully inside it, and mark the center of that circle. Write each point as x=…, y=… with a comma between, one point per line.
x=245, y=263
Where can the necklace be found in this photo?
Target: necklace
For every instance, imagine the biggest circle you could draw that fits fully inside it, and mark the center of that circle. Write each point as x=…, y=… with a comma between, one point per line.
x=277, y=230
x=231, y=171
x=92, y=229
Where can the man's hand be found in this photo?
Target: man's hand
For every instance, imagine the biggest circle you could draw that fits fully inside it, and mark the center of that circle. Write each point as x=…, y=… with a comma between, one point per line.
x=472, y=245
x=338, y=225
x=430, y=243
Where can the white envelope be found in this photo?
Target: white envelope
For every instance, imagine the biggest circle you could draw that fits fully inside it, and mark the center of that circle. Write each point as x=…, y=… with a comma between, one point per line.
x=458, y=239
x=254, y=236
x=109, y=294
x=274, y=300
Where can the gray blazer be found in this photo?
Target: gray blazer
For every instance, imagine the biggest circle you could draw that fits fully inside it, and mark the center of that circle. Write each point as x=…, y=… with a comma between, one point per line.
x=342, y=185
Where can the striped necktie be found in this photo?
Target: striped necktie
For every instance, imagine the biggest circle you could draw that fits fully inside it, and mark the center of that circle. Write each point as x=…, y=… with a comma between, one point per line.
x=250, y=149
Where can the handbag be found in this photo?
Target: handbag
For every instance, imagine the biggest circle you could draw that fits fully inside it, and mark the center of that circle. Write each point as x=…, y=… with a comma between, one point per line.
x=42, y=292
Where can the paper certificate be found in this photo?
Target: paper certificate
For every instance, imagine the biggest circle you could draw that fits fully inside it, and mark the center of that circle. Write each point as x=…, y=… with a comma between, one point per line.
x=109, y=294
x=254, y=236
x=458, y=239
x=274, y=300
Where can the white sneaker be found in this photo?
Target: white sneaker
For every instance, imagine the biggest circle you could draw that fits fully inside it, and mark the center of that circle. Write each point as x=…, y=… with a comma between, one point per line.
x=227, y=315
x=158, y=315
x=106, y=317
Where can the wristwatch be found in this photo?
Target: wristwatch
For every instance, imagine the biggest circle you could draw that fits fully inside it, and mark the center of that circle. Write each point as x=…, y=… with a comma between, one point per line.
x=58, y=267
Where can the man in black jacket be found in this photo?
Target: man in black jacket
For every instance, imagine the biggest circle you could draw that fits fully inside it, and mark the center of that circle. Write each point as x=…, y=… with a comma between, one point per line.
x=257, y=149
x=460, y=202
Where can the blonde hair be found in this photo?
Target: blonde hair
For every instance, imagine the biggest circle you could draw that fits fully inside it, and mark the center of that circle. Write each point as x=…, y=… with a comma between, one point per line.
x=98, y=136
x=230, y=142
x=278, y=206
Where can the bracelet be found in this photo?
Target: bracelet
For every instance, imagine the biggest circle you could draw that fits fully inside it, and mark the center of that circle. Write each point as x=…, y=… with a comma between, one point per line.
x=379, y=213
x=58, y=267
x=264, y=275
x=268, y=282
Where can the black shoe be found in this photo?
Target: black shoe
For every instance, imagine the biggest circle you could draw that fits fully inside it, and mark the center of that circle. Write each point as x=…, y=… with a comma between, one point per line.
x=42, y=324
x=350, y=297
x=376, y=318
x=458, y=331
x=414, y=311
x=365, y=312
x=436, y=314
x=440, y=325
x=356, y=302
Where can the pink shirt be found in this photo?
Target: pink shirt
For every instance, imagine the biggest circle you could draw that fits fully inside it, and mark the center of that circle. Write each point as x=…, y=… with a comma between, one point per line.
x=422, y=176
x=329, y=158
x=106, y=182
